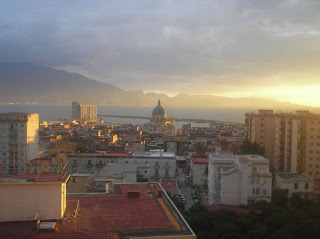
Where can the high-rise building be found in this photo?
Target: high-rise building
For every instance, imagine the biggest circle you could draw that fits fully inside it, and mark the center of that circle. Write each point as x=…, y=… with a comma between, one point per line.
x=19, y=141
x=296, y=144
x=261, y=129
x=84, y=112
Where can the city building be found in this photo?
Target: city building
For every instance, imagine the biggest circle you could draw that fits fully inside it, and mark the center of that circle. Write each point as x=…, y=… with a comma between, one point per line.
x=199, y=170
x=260, y=128
x=119, y=211
x=150, y=165
x=82, y=112
x=19, y=141
x=301, y=184
x=238, y=179
x=159, y=123
x=291, y=141
x=31, y=197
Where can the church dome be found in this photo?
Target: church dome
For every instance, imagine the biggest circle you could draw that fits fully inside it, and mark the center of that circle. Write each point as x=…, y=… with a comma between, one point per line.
x=159, y=110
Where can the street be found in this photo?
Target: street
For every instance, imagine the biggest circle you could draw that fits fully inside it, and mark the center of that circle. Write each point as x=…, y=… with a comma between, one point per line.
x=186, y=190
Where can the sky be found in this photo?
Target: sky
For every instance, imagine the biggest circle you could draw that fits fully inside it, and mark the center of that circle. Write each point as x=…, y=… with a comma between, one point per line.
x=234, y=48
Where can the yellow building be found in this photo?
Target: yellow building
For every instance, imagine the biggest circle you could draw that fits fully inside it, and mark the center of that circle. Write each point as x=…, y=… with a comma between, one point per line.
x=159, y=123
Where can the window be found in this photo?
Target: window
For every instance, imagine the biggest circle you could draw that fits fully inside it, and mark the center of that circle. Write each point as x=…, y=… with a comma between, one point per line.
x=265, y=181
x=111, y=161
x=4, y=154
x=264, y=191
x=254, y=170
x=22, y=125
x=146, y=162
x=258, y=180
x=74, y=162
x=253, y=181
x=306, y=186
x=126, y=161
x=258, y=191
x=296, y=186
x=145, y=171
x=89, y=162
x=311, y=158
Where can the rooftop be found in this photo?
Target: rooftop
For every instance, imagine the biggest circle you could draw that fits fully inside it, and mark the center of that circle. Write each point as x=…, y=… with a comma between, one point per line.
x=169, y=185
x=292, y=175
x=199, y=160
x=113, y=215
x=11, y=178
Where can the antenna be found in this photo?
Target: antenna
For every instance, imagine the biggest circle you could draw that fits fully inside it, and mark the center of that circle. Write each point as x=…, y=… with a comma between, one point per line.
x=61, y=162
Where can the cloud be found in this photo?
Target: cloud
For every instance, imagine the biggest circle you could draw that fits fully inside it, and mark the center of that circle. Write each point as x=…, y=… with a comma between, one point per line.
x=189, y=47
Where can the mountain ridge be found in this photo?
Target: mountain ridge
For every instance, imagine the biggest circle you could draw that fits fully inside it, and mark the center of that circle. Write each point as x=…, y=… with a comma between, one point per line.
x=26, y=82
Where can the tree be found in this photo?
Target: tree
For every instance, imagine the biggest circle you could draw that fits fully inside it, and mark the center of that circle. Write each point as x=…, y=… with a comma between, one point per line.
x=252, y=148
x=280, y=197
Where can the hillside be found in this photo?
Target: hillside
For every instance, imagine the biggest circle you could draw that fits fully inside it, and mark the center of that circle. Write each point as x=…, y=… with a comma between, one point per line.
x=22, y=83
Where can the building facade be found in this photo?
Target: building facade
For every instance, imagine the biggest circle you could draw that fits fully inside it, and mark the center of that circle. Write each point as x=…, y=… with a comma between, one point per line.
x=84, y=112
x=150, y=165
x=19, y=141
x=41, y=197
x=238, y=179
x=295, y=142
x=199, y=170
x=295, y=183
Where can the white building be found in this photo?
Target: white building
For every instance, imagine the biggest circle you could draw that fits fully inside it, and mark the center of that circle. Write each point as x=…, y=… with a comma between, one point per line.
x=84, y=112
x=151, y=165
x=238, y=179
x=295, y=183
x=199, y=170
x=19, y=141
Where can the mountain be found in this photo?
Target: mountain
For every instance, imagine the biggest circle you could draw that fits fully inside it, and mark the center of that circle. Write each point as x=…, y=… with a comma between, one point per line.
x=22, y=83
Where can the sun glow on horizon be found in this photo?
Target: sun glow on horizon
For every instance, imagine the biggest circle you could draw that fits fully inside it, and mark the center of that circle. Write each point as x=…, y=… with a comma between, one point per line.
x=303, y=95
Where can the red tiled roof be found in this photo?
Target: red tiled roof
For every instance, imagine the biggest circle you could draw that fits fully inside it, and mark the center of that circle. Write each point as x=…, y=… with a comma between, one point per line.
x=103, y=214
x=38, y=178
x=224, y=152
x=199, y=160
x=316, y=183
x=169, y=185
x=40, y=160
x=243, y=159
x=115, y=154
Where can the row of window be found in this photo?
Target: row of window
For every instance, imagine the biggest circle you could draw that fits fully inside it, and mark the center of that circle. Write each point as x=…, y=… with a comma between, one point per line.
x=256, y=191
x=306, y=186
x=258, y=181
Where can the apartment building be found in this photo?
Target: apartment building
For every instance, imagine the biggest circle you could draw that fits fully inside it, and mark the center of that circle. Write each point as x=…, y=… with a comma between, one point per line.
x=151, y=165
x=295, y=145
x=238, y=179
x=84, y=112
x=19, y=141
x=260, y=128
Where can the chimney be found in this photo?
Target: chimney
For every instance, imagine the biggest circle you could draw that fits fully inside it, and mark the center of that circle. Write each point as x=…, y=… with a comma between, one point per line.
x=109, y=186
